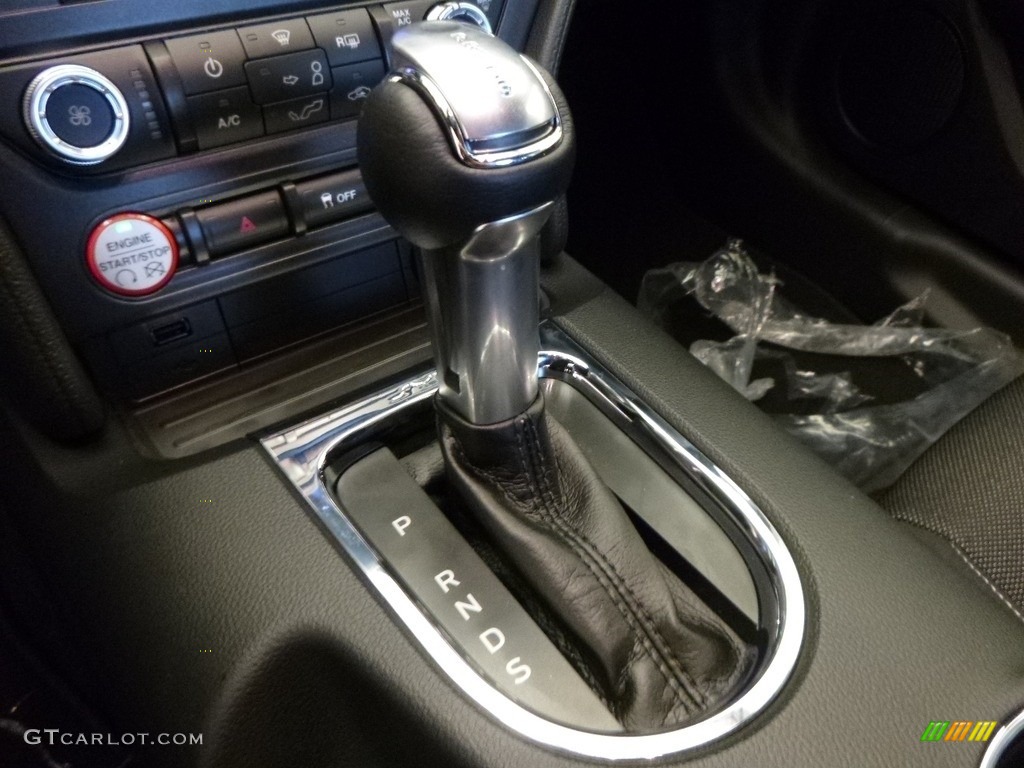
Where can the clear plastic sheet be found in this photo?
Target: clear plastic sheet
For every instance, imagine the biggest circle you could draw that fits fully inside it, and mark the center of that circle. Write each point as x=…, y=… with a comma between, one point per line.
x=872, y=443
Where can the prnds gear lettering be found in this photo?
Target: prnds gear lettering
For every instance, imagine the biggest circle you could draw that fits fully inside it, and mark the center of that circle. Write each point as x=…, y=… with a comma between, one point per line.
x=492, y=638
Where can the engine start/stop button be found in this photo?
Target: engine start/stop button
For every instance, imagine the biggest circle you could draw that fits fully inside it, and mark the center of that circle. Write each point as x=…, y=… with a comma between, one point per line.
x=132, y=254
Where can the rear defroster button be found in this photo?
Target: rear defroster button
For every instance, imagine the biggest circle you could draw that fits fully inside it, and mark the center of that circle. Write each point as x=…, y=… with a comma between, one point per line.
x=132, y=254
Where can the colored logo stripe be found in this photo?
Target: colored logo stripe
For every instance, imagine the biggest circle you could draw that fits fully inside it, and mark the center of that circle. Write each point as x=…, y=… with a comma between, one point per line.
x=959, y=730
x=982, y=731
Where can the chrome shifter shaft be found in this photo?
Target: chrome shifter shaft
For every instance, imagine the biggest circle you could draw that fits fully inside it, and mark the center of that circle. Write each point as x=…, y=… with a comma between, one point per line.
x=482, y=305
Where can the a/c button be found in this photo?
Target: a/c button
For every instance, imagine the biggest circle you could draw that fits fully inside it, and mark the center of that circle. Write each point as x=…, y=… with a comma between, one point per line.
x=224, y=117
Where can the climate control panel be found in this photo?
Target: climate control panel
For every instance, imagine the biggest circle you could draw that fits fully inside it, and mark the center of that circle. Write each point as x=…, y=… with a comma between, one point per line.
x=130, y=105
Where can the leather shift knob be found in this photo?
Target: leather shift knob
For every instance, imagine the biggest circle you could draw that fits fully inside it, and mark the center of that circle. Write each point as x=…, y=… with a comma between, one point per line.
x=412, y=169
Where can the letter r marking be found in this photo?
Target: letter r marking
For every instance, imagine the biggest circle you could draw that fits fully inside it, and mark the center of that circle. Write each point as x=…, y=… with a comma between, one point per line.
x=446, y=580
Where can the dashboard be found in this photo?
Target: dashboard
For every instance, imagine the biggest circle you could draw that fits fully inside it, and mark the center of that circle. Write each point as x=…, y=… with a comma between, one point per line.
x=188, y=196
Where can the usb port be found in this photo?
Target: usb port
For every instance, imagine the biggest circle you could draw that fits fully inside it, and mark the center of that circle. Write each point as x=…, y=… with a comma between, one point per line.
x=168, y=332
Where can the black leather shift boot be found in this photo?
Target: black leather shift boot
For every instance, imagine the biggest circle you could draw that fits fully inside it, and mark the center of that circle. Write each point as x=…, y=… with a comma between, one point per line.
x=659, y=654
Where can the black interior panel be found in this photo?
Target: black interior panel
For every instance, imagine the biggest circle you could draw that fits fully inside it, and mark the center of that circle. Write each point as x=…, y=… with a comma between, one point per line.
x=248, y=575
x=758, y=152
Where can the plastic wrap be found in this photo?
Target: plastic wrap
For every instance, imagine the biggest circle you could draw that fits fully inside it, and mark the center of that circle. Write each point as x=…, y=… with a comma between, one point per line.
x=870, y=442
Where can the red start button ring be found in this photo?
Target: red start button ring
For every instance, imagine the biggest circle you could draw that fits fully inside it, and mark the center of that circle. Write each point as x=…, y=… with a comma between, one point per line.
x=132, y=254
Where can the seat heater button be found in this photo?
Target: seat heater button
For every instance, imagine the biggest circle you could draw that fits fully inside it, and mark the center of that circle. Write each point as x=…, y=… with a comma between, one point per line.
x=132, y=254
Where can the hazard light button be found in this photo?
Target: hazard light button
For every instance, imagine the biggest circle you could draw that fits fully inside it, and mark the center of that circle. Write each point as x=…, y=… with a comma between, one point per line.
x=132, y=254
x=243, y=223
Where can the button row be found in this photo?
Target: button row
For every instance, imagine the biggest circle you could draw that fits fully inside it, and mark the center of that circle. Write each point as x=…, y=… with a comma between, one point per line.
x=209, y=89
x=268, y=56
x=276, y=77
x=133, y=254
x=246, y=222
x=230, y=116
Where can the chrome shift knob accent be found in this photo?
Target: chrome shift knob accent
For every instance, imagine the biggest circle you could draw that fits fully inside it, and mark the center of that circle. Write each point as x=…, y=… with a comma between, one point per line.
x=494, y=104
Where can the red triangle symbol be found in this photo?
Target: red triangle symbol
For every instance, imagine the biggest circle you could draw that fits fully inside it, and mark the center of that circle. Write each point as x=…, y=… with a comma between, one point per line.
x=247, y=225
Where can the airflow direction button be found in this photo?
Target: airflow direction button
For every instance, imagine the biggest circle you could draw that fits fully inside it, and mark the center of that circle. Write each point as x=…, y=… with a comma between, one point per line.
x=291, y=76
x=297, y=113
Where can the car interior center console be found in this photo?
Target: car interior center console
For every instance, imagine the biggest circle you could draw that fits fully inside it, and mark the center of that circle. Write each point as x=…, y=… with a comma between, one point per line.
x=226, y=211
x=567, y=627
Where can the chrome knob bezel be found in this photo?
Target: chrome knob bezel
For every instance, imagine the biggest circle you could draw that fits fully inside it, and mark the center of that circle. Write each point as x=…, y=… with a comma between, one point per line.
x=464, y=12
x=45, y=84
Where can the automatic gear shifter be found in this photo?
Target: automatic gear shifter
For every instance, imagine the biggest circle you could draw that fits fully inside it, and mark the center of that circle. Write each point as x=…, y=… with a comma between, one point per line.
x=463, y=148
